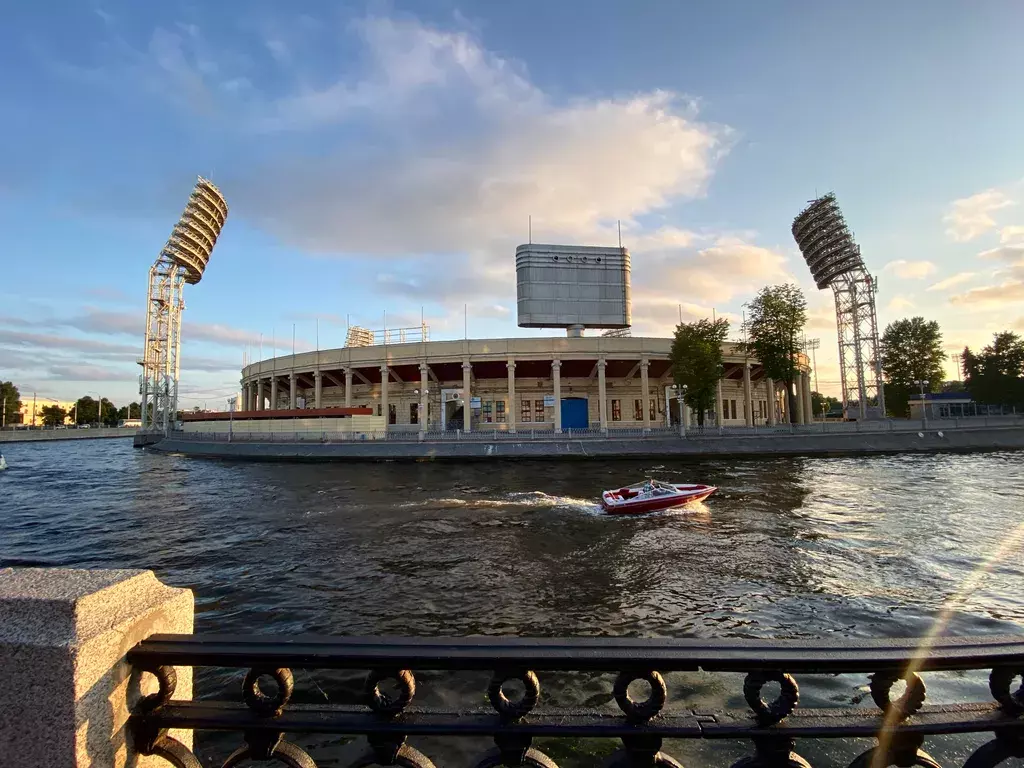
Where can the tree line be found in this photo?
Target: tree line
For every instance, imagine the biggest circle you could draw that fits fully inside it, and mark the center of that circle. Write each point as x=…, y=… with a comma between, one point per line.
x=85, y=410
x=911, y=356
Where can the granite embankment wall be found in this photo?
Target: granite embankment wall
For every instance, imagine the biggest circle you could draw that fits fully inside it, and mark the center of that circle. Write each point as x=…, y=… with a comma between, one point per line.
x=828, y=444
x=29, y=435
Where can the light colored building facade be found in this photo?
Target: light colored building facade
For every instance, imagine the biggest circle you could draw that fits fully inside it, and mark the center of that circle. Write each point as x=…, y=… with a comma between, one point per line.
x=516, y=384
x=32, y=410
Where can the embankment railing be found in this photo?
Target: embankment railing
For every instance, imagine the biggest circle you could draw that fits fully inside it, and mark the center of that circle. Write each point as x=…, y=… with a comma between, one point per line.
x=266, y=721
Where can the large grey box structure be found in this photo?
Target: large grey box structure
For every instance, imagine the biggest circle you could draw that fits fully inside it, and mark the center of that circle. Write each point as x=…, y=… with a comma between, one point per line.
x=566, y=286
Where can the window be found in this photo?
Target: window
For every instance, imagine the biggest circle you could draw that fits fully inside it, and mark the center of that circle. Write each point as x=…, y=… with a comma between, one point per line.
x=487, y=411
x=392, y=414
x=525, y=411
x=654, y=409
x=725, y=408
x=538, y=410
x=733, y=402
x=414, y=413
x=499, y=411
x=379, y=411
x=638, y=410
x=616, y=410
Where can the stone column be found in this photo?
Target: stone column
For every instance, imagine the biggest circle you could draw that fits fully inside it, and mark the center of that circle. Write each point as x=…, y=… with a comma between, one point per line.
x=467, y=396
x=385, y=375
x=245, y=396
x=291, y=391
x=510, y=414
x=556, y=380
x=602, y=394
x=645, y=388
x=770, y=384
x=318, y=388
x=259, y=394
x=67, y=690
x=348, y=387
x=684, y=412
x=798, y=384
x=808, y=401
x=424, y=371
x=273, y=393
x=748, y=402
x=718, y=404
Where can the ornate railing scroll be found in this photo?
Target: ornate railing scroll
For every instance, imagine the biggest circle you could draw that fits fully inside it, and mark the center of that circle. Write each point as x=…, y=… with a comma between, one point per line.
x=265, y=719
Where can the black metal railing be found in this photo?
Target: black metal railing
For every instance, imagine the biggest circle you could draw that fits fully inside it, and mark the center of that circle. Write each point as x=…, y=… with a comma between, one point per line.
x=266, y=720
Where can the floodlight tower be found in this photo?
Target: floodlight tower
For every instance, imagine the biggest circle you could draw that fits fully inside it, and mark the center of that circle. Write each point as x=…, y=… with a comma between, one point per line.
x=835, y=262
x=182, y=260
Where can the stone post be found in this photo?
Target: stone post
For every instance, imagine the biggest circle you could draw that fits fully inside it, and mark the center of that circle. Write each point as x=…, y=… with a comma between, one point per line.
x=385, y=376
x=318, y=388
x=291, y=391
x=718, y=404
x=798, y=383
x=424, y=371
x=808, y=400
x=556, y=381
x=467, y=396
x=602, y=395
x=770, y=384
x=510, y=415
x=748, y=402
x=273, y=393
x=348, y=387
x=67, y=691
x=645, y=394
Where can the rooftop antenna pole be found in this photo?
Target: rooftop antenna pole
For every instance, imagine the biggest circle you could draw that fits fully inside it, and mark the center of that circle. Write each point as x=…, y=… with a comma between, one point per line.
x=293, y=342
x=680, y=313
x=531, y=229
x=619, y=223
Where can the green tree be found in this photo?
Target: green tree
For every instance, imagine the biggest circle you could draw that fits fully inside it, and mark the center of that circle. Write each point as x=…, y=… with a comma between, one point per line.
x=995, y=375
x=822, y=403
x=777, y=317
x=53, y=415
x=911, y=351
x=10, y=405
x=85, y=410
x=696, y=359
x=130, y=411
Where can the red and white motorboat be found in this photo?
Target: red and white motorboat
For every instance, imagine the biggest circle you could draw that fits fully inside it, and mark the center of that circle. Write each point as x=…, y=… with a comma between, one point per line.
x=651, y=496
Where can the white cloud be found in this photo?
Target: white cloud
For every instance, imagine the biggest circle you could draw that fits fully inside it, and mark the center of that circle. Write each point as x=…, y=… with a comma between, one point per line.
x=971, y=216
x=993, y=296
x=1011, y=234
x=1012, y=254
x=464, y=149
x=899, y=304
x=949, y=282
x=910, y=270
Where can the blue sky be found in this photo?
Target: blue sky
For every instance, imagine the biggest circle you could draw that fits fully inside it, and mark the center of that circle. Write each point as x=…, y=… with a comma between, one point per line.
x=386, y=157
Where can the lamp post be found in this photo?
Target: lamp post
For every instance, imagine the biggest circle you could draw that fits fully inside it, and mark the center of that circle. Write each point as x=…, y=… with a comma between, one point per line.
x=924, y=406
x=680, y=395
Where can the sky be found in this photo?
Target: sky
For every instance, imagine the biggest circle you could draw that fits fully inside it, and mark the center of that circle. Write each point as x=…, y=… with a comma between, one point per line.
x=386, y=157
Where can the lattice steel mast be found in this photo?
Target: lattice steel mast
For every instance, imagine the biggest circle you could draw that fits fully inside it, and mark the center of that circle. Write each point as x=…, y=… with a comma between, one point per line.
x=183, y=260
x=835, y=261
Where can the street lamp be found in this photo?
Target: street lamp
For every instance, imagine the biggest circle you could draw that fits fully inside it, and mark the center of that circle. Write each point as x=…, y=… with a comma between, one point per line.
x=680, y=395
x=924, y=409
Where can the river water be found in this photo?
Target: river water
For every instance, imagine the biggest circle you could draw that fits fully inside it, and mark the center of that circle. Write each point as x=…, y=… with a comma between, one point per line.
x=789, y=548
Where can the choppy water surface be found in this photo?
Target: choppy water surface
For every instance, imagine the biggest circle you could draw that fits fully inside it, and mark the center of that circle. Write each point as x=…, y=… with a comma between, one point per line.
x=836, y=548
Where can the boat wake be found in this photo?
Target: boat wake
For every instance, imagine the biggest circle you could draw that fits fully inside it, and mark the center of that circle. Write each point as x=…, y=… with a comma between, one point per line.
x=530, y=500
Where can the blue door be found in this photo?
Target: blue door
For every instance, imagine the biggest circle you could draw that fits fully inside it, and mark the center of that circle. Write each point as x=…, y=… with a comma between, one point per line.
x=575, y=414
